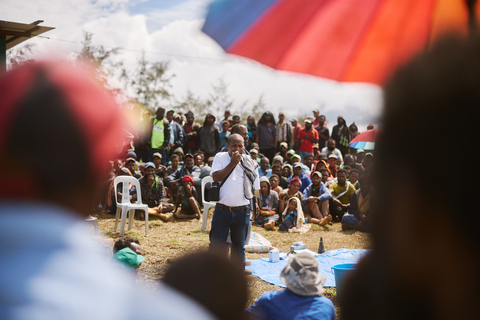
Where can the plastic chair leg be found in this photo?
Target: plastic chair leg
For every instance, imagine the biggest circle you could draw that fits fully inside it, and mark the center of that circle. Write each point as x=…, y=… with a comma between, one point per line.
x=206, y=208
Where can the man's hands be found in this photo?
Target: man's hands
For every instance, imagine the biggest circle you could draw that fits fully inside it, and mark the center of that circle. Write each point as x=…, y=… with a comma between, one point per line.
x=150, y=179
x=236, y=157
x=338, y=204
x=312, y=199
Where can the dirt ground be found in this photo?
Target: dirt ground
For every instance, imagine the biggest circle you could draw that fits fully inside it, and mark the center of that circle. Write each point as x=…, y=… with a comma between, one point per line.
x=168, y=241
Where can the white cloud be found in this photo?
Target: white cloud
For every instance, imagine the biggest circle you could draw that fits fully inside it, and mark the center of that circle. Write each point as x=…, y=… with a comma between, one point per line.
x=180, y=40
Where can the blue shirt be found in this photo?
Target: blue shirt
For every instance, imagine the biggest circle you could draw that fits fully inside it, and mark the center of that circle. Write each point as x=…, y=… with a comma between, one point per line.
x=323, y=193
x=279, y=305
x=267, y=174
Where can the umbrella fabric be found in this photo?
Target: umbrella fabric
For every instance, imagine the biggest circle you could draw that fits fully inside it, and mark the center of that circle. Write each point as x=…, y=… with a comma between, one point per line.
x=365, y=140
x=344, y=40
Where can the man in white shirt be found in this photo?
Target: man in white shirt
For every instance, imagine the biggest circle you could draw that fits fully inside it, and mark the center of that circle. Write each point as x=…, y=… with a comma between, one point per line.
x=231, y=210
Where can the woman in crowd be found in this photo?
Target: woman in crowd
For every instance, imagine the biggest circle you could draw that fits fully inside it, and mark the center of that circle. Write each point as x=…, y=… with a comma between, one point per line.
x=267, y=135
x=292, y=191
x=268, y=200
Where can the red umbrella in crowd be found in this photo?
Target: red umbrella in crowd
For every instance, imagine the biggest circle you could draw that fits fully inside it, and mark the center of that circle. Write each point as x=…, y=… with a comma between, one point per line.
x=365, y=140
x=344, y=40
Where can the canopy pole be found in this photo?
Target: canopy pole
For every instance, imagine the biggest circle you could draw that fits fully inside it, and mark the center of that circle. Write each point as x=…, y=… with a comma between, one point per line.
x=3, y=54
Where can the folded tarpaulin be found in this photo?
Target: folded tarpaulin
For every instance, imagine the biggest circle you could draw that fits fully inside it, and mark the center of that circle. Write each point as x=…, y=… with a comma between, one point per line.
x=270, y=272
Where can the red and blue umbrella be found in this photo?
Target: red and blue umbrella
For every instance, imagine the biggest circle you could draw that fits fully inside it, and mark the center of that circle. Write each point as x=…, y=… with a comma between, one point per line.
x=344, y=40
x=365, y=140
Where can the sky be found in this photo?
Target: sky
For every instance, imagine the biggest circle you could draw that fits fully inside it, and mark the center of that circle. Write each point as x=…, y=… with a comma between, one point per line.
x=170, y=30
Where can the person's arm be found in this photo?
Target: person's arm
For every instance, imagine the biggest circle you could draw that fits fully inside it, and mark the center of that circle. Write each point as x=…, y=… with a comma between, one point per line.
x=324, y=192
x=221, y=174
x=217, y=141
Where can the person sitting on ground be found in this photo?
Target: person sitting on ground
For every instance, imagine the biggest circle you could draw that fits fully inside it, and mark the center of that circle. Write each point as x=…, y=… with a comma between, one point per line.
x=264, y=170
x=308, y=162
x=112, y=198
x=292, y=216
x=173, y=165
x=326, y=177
x=297, y=159
x=353, y=178
x=174, y=180
x=291, y=191
x=268, y=200
x=283, y=150
x=129, y=259
x=278, y=160
x=130, y=164
x=290, y=154
x=157, y=161
x=153, y=193
x=301, y=299
x=198, y=160
x=298, y=173
x=368, y=160
x=315, y=201
x=359, y=157
x=188, y=199
x=332, y=165
x=287, y=171
x=127, y=242
x=254, y=155
x=341, y=191
x=282, y=181
x=330, y=149
x=359, y=215
x=274, y=181
x=349, y=160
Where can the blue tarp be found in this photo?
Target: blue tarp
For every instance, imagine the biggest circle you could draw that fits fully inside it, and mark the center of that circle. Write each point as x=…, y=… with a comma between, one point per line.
x=270, y=272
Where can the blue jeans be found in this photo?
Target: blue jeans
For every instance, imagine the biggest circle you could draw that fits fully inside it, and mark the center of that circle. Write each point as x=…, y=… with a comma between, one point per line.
x=303, y=154
x=224, y=221
x=351, y=220
x=163, y=152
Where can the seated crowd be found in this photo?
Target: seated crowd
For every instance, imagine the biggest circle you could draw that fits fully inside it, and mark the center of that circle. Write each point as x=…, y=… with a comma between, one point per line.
x=301, y=168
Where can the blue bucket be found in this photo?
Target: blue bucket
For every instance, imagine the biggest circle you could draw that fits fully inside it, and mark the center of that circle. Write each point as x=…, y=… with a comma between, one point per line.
x=341, y=271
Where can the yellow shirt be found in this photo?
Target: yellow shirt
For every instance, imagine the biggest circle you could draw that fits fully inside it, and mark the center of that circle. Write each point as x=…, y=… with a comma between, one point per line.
x=336, y=189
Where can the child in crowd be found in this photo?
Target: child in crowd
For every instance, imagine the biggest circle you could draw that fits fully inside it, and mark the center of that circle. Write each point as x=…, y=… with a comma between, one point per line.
x=293, y=218
x=274, y=183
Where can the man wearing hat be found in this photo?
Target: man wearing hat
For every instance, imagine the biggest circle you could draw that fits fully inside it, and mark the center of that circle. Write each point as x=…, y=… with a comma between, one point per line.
x=159, y=135
x=307, y=136
x=175, y=179
x=153, y=193
x=330, y=148
x=51, y=267
x=283, y=150
x=301, y=299
x=130, y=164
x=284, y=130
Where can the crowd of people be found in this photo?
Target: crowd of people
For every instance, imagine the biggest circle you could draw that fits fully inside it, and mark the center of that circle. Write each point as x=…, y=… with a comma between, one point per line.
x=171, y=154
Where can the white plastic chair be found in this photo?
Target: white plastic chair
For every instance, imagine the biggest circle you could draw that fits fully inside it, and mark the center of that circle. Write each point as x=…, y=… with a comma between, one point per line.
x=126, y=207
x=206, y=204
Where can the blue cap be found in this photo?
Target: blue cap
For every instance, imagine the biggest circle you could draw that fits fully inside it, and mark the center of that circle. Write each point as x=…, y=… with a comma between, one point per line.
x=149, y=164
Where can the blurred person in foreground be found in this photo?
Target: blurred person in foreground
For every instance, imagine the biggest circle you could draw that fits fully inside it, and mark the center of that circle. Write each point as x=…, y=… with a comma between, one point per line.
x=301, y=299
x=51, y=268
x=424, y=259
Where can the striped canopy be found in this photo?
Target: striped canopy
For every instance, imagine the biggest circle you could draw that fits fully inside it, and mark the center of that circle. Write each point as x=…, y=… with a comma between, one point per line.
x=344, y=40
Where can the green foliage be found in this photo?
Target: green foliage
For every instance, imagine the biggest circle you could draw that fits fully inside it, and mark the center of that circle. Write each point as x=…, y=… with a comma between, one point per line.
x=18, y=55
x=102, y=59
x=149, y=82
x=219, y=100
x=193, y=103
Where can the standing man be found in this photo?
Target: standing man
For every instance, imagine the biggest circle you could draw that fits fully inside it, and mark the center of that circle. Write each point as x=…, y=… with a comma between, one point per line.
x=191, y=128
x=177, y=136
x=208, y=138
x=307, y=136
x=296, y=127
x=159, y=135
x=231, y=210
x=284, y=130
x=323, y=133
x=226, y=115
x=341, y=135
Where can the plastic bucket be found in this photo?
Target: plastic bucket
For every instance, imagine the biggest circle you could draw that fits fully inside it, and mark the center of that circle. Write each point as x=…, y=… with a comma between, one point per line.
x=341, y=271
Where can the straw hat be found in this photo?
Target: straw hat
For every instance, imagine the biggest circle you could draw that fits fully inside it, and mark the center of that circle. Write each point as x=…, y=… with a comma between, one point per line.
x=301, y=275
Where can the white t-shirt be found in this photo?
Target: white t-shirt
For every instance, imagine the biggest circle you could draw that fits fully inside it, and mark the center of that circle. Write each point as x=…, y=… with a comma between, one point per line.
x=232, y=192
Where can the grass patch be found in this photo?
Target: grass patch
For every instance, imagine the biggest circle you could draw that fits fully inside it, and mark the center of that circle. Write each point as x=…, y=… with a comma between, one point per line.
x=168, y=241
